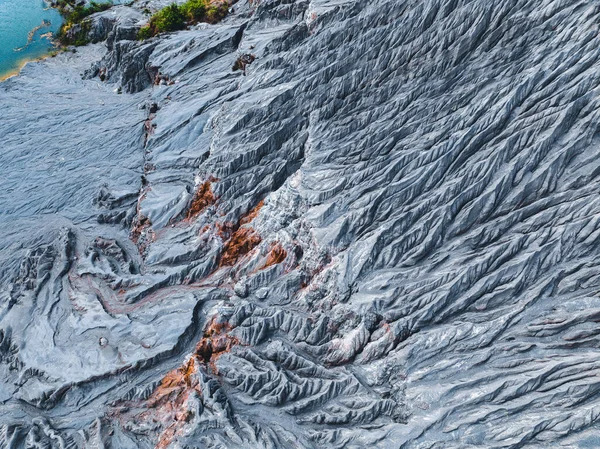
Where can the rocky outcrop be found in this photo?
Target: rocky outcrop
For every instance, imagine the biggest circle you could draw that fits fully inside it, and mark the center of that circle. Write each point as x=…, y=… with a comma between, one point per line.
x=116, y=24
x=380, y=233
x=126, y=61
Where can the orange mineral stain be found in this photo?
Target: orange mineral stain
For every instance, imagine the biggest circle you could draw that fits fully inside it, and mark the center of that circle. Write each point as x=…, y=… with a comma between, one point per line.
x=241, y=243
x=252, y=214
x=216, y=342
x=142, y=233
x=169, y=403
x=277, y=254
x=203, y=198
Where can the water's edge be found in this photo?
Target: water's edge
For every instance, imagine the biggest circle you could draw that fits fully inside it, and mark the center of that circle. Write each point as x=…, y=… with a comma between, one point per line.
x=21, y=64
x=27, y=29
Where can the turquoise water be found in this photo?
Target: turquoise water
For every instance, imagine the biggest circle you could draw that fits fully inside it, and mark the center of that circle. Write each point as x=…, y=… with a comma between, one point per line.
x=25, y=27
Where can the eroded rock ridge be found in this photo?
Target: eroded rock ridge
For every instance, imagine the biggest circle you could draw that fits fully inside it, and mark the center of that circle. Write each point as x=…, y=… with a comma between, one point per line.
x=316, y=224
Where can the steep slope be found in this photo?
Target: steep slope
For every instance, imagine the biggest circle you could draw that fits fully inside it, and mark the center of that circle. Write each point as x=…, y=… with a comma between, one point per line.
x=382, y=232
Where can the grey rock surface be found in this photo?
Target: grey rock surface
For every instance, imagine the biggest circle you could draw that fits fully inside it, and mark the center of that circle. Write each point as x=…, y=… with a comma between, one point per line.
x=382, y=232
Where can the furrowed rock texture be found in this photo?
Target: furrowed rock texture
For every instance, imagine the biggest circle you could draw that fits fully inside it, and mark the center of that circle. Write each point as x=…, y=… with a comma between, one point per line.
x=381, y=230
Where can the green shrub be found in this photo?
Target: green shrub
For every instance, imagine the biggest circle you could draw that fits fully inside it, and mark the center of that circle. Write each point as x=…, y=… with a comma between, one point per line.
x=77, y=15
x=194, y=10
x=145, y=32
x=174, y=17
x=81, y=12
x=80, y=37
x=215, y=14
x=170, y=18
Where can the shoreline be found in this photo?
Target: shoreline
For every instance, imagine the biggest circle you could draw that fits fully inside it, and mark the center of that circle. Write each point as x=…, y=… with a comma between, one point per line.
x=21, y=65
x=36, y=55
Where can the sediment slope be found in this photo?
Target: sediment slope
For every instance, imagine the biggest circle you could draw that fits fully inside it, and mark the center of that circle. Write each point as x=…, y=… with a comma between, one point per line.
x=381, y=232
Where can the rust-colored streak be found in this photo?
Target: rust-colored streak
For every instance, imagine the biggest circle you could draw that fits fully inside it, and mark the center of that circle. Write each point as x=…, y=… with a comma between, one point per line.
x=277, y=254
x=170, y=400
x=139, y=226
x=170, y=406
x=241, y=243
x=225, y=229
x=252, y=214
x=175, y=386
x=216, y=341
x=166, y=437
x=142, y=233
x=203, y=198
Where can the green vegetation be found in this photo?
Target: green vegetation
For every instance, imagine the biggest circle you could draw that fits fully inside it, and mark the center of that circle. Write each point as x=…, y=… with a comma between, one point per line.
x=75, y=29
x=194, y=10
x=145, y=33
x=177, y=17
x=79, y=12
x=170, y=18
x=69, y=35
